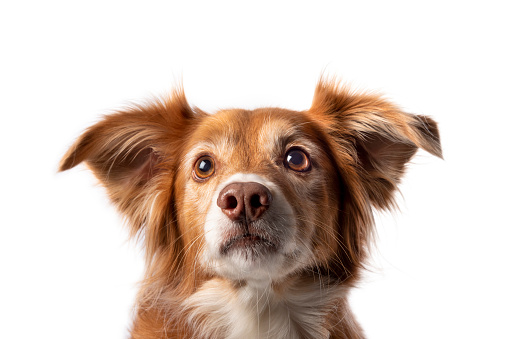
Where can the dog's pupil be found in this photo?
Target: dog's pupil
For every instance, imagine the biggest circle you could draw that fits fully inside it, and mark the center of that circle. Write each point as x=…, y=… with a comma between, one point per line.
x=295, y=158
x=205, y=166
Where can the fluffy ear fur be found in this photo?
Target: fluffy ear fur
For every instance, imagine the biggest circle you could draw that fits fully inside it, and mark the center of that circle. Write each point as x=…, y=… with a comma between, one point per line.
x=128, y=150
x=380, y=136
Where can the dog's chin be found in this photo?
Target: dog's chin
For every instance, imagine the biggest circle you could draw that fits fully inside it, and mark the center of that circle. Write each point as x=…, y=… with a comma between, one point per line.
x=252, y=246
x=250, y=258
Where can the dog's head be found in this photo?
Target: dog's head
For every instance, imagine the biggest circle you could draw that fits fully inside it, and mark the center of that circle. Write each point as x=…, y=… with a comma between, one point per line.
x=254, y=195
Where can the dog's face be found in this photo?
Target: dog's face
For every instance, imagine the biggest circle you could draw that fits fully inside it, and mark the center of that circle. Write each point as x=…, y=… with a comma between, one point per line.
x=258, y=193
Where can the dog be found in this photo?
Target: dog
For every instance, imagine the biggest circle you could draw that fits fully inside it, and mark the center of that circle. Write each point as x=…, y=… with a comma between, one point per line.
x=255, y=223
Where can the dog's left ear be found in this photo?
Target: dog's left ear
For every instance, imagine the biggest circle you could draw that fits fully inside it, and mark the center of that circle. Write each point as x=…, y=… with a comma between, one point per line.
x=381, y=137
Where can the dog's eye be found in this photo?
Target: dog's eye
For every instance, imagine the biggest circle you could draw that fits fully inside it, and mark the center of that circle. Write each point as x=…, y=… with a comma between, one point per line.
x=204, y=168
x=297, y=160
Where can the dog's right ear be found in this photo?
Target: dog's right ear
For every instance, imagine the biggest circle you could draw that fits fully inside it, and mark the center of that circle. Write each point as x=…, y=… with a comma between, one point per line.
x=129, y=149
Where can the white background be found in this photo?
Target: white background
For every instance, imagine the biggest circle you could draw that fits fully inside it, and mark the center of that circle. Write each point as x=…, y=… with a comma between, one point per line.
x=67, y=269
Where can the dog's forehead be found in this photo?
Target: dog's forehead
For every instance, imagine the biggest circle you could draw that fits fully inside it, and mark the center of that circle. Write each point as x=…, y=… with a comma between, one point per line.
x=248, y=130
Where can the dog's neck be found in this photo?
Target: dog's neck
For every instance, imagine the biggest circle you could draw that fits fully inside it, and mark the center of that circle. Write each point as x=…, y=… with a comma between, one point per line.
x=296, y=309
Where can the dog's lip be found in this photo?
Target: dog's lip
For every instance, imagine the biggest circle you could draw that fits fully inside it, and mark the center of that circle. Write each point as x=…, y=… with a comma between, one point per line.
x=248, y=240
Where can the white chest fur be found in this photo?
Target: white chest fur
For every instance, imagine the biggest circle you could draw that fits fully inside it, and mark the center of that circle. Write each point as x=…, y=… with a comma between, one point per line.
x=252, y=312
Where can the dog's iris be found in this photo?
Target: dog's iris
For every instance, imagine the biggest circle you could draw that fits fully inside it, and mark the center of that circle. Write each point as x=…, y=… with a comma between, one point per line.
x=297, y=160
x=204, y=167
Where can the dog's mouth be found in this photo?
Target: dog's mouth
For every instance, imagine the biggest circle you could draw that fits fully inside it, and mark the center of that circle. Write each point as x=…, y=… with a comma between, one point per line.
x=248, y=242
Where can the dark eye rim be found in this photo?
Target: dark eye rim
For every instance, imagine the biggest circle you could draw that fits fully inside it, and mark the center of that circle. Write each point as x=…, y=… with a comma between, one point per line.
x=309, y=162
x=201, y=178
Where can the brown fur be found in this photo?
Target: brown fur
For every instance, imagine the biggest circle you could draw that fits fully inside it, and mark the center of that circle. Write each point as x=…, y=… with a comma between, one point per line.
x=140, y=156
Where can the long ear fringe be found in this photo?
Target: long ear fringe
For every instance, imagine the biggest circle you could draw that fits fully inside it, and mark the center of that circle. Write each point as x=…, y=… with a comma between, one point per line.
x=361, y=113
x=376, y=133
x=131, y=148
x=119, y=134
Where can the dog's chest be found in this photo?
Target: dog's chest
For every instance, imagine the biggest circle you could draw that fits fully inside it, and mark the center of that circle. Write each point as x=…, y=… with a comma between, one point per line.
x=253, y=312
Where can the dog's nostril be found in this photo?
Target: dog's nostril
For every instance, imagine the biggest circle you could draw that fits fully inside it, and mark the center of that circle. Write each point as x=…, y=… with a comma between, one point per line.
x=231, y=202
x=255, y=201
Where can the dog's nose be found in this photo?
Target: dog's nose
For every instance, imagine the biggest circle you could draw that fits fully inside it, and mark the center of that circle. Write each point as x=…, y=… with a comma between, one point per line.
x=244, y=200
